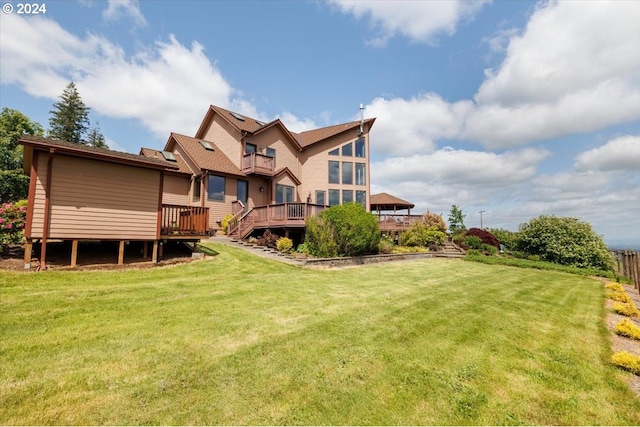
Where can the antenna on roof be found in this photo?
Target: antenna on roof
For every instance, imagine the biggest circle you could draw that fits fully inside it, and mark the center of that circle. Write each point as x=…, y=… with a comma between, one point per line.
x=361, y=130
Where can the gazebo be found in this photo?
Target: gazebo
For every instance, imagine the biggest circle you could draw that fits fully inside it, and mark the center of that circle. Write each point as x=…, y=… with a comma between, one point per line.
x=392, y=222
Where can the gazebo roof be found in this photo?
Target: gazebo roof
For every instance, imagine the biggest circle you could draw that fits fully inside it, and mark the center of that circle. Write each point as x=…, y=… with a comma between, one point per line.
x=387, y=202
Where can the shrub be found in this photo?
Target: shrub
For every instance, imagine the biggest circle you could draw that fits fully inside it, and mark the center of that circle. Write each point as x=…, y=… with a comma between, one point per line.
x=626, y=309
x=627, y=361
x=409, y=249
x=566, y=241
x=268, y=239
x=12, y=220
x=486, y=237
x=627, y=328
x=619, y=296
x=491, y=250
x=284, y=244
x=534, y=258
x=343, y=230
x=303, y=248
x=473, y=242
x=225, y=222
x=473, y=252
x=419, y=234
x=615, y=287
x=505, y=237
x=434, y=220
x=385, y=246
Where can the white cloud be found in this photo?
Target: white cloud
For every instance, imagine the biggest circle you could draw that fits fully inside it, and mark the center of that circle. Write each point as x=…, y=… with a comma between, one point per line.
x=619, y=154
x=421, y=21
x=150, y=86
x=126, y=8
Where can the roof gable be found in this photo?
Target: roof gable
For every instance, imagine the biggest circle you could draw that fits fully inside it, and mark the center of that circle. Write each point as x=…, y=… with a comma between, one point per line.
x=183, y=167
x=212, y=160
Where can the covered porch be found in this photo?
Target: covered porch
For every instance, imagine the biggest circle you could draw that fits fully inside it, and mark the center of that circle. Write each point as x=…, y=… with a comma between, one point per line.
x=392, y=222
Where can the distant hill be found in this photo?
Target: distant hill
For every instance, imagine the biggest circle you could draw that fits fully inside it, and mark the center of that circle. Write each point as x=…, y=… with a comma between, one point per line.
x=624, y=244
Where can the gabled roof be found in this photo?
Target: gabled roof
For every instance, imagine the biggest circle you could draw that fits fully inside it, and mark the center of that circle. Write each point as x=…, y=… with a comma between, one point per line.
x=310, y=137
x=385, y=201
x=302, y=140
x=287, y=171
x=79, y=150
x=212, y=160
x=183, y=167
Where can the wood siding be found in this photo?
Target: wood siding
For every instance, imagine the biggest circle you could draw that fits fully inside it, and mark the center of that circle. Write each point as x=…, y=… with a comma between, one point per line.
x=226, y=138
x=176, y=189
x=97, y=200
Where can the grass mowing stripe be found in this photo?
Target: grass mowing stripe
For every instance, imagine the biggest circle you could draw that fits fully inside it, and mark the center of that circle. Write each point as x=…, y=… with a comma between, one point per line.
x=240, y=340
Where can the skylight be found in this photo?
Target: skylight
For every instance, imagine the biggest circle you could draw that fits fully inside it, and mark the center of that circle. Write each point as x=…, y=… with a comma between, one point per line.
x=168, y=155
x=260, y=123
x=206, y=145
x=237, y=116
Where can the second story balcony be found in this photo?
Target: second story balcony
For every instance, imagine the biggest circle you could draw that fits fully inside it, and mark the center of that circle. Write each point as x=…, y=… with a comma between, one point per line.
x=259, y=164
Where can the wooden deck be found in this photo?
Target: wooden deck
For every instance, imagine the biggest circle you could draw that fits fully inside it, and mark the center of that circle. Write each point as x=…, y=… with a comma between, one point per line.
x=184, y=222
x=281, y=215
x=396, y=222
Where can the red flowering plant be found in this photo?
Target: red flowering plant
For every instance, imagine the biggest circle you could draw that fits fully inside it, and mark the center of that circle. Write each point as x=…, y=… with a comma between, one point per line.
x=12, y=220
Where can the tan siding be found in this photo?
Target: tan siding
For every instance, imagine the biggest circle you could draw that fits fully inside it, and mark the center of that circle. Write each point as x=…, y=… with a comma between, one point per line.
x=175, y=190
x=92, y=199
x=226, y=138
x=218, y=209
x=286, y=153
x=38, y=203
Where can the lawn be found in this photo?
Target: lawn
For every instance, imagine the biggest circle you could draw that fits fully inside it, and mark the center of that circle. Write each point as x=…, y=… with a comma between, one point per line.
x=237, y=339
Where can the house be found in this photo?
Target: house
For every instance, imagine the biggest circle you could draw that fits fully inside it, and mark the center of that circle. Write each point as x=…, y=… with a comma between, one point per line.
x=263, y=173
x=81, y=193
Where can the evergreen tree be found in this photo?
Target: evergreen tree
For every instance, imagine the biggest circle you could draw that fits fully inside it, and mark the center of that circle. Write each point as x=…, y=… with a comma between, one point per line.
x=456, y=220
x=14, y=184
x=95, y=138
x=70, y=117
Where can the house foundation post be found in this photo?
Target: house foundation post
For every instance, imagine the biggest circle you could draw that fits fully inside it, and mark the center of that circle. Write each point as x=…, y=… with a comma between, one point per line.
x=154, y=256
x=28, y=247
x=74, y=253
x=121, y=253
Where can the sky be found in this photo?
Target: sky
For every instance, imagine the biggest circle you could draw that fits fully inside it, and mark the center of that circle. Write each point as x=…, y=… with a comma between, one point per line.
x=513, y=108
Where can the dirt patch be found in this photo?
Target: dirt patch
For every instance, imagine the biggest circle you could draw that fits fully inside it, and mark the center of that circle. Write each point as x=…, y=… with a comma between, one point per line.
x=619, y=343
x=94, y=256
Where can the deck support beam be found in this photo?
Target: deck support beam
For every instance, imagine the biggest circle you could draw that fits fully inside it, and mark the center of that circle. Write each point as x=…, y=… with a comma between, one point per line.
x=28, y=247
x=74, y=253
x=121, y=253
x=154, y=256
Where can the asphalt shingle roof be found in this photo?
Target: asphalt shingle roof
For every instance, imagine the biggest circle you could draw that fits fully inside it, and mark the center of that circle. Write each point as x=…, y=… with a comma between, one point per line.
x=213, y=160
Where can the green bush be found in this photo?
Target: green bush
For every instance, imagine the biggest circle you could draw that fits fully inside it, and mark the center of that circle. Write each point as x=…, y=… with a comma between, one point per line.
x=473, y=242
x=284, y=244
x=385, y=246
x=490, y=249
x=343, y=230
x=505, y=237
x=303, y=248
x=419, y=234
x=566, y=241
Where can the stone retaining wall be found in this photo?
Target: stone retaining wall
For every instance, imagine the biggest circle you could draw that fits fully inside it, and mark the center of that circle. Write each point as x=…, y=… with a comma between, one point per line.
x=361, y=260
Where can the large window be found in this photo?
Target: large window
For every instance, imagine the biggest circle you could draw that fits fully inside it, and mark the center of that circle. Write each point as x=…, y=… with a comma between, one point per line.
x=334, y=197
x=284, y=193
x=334, y=172
x=361, y=174
x=321, y=198
x=361, y=197
x=243, y=191
x=347, y=196
x=347, y=149
x=360, y=151
x=215, y=189
x=347, y=173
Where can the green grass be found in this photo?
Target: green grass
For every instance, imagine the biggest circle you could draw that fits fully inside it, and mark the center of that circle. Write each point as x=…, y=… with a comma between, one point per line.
x=237, y=339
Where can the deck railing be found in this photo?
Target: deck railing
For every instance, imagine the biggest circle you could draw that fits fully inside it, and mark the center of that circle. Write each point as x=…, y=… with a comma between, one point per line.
x=258, y=164
x=184, y=220
x=277, y=215
x=397, y=222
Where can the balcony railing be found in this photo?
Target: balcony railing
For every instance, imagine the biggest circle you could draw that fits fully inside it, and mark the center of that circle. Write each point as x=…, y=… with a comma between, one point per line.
x=278, y=215
x=259, y=164
x=397, y=222
x=178, y=220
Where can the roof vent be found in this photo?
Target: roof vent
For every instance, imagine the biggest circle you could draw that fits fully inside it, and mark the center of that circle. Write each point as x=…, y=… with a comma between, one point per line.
x=237, y=116
x=206, y=145
x=168, y=155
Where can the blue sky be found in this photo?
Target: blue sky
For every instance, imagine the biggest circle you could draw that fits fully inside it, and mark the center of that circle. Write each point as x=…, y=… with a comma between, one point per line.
x=516, y=108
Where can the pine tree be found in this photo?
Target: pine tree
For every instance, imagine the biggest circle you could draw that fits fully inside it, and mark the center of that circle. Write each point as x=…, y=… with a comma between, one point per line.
x=95, y=138
x=70, y=117
x=456, y=219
